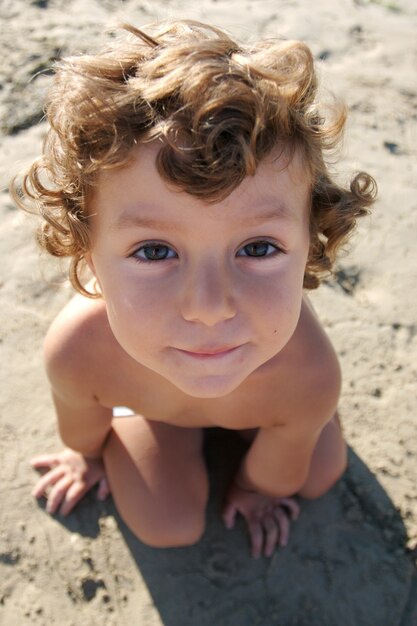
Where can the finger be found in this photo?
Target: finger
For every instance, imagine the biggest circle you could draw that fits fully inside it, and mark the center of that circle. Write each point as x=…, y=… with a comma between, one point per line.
x=292, y=506
x=284, y=526
x=71, y=497
x=229, y=515
x=47, y=480
x=256, y=538
x=57, y=493
x=44, y=460
x=103, y=489
x=271, y=535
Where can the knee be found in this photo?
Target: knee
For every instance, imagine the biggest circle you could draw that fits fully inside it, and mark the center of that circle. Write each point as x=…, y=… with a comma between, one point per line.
x=176, y=532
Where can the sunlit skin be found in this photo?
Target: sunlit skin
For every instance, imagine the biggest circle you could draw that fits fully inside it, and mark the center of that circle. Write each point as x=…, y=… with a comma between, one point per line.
x=202, y=322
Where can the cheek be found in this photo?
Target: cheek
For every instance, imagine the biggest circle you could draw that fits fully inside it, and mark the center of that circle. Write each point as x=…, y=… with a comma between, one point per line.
x=278, y=292
x=138, y=312
x=275, y=305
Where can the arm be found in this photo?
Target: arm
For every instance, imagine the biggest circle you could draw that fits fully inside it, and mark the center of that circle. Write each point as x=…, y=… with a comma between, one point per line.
x=71, y=473
x=83, y=426
x=83, y=423
x=75, y=360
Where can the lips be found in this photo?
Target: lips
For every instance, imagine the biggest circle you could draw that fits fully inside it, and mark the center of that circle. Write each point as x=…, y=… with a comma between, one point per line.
x=207, y=353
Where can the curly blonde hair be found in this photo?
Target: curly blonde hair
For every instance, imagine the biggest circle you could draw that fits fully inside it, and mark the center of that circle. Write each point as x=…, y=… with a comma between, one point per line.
x=219, y=109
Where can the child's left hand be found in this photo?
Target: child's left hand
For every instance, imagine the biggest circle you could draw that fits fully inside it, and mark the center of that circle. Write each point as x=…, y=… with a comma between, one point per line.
x=267, y=518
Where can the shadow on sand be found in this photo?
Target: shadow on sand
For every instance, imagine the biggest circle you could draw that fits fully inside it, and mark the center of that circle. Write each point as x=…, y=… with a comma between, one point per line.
x=346, y=564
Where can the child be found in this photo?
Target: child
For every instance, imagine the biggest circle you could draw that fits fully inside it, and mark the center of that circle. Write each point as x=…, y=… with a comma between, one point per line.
x=188, y=173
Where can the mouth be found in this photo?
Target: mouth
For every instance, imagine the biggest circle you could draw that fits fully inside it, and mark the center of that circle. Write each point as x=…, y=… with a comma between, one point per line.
x=210, y=353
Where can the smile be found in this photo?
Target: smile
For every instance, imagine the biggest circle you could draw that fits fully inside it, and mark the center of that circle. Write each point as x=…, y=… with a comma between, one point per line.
x=210, y=353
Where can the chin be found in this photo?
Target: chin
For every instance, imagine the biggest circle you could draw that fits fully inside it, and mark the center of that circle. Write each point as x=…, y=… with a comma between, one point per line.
x=213, y=387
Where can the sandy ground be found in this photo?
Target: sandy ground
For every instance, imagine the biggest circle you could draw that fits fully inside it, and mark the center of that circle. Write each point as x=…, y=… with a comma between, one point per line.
x=351, y=560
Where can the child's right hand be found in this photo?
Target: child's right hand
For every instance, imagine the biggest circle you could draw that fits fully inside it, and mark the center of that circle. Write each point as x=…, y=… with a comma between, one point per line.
x=68, y=478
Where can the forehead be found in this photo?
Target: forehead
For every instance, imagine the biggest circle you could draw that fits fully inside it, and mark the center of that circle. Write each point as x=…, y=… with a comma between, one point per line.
x=280, y=185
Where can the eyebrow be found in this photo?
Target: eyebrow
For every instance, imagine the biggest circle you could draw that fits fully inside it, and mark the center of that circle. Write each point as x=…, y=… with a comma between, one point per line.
x=278, y=212
x=129, y=220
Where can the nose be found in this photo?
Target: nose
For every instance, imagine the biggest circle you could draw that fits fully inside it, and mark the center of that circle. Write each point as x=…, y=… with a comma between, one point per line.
x=208, y=295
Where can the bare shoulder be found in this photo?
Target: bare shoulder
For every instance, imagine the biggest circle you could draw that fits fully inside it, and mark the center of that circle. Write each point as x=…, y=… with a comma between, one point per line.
x=313, y=349
x=309, y=373
x=78, y=339
x=323, y=375
x=78, y=325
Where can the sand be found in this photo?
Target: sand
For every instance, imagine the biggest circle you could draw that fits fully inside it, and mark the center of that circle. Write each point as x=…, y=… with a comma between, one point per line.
x=351, y=559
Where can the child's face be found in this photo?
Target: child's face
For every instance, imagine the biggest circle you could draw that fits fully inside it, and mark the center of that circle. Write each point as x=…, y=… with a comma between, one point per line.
x=202, y=294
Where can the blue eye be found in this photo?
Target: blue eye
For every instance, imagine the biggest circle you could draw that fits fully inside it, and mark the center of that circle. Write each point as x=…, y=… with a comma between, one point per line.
x=259, y=249
x=154, y=252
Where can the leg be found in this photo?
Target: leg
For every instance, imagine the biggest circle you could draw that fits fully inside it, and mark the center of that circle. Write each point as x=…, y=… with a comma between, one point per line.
x=328, y=463
x=158, y=480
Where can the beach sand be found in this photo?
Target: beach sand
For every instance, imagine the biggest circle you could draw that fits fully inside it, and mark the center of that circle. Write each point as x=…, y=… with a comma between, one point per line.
x=351, y=558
